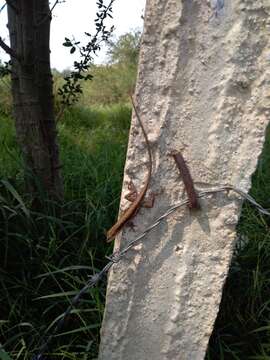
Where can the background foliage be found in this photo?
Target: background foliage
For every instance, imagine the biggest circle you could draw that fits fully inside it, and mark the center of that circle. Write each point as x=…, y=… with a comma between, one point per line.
x=48, y=255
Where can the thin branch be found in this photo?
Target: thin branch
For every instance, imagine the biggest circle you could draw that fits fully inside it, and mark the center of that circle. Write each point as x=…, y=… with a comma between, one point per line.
x=8, y=50
x=13, y=7
x=54, y=5
x=2, y=7
x=49, y=15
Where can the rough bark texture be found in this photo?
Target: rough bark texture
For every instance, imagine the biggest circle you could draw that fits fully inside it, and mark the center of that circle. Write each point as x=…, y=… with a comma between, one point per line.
x=203, y=83
x=29, y=28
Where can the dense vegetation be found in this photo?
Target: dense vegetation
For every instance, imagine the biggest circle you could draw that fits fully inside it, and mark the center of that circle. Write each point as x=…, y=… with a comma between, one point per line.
x=47, y=255
x=242, y=329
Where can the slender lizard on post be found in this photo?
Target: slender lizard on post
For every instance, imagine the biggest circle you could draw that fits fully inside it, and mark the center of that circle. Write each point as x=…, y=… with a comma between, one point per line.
x=128, y=213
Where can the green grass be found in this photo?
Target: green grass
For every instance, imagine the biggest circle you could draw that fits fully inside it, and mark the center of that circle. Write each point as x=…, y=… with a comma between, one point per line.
x=242, y=329
x=10, y=162
x=47, y=256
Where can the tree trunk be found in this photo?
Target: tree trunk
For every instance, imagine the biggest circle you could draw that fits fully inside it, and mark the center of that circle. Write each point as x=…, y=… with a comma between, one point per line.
x=32, y=84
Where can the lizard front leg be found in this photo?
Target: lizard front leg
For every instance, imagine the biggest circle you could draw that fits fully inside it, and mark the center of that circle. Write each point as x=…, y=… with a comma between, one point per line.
x=148, y=202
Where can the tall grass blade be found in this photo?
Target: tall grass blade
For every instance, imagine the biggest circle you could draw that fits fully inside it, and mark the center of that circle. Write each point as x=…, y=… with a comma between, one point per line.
x=16, y=196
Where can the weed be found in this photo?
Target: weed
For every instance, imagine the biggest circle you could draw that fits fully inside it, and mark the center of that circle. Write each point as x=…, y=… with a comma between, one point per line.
x=242, y=328
x=48, y=255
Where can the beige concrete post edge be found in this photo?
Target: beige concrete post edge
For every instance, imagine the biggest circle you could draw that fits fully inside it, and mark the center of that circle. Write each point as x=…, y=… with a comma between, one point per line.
x=203, y=87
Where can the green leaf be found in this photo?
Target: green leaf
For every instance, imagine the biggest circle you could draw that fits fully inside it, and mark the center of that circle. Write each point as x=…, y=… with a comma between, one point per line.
x=72, y=50
x=57, y=295
x=68, y=268
x=67, y=43
x=82, y=329
x=4, y=355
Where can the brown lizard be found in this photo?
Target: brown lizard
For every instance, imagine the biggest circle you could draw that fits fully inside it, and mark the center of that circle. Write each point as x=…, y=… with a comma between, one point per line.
x=128, y=213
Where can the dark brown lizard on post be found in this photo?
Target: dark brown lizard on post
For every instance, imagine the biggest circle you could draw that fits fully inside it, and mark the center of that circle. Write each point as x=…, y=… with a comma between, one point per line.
x=128, y=213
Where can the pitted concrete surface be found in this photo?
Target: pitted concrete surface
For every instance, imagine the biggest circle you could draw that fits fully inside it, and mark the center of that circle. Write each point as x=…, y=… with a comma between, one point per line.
x=203, y=88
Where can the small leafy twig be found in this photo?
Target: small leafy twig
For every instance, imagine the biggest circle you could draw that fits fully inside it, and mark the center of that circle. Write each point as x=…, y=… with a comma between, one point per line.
x=72, y=88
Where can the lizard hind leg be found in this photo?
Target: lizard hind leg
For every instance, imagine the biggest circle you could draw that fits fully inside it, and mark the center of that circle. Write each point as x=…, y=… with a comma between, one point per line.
x=148, y=202
x=133, y=193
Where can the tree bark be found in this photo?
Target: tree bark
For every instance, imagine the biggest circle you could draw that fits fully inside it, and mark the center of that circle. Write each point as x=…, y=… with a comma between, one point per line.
x=32, y=90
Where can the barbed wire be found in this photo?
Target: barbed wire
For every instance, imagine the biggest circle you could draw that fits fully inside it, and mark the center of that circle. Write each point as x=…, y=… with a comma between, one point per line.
x=119, y=254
